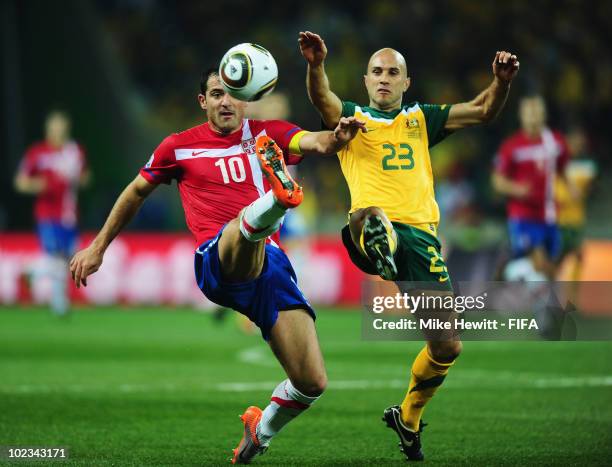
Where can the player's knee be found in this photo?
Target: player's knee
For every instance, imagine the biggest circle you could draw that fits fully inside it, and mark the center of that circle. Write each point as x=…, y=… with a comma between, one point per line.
x=318, y=385
x=374, y=210
x=358, y=218
x=312, y=386
x=445, y=351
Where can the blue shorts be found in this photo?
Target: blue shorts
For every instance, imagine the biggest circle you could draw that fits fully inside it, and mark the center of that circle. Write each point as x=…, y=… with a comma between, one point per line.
x=525, y=235
x=57, y=239
x=261, y=299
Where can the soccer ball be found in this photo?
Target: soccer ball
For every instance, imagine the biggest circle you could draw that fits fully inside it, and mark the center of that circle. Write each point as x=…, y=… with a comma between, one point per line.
x=248, y=72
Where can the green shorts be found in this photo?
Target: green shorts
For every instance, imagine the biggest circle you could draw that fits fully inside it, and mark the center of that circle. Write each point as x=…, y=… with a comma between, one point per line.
x=571, y=239
x=417, y=257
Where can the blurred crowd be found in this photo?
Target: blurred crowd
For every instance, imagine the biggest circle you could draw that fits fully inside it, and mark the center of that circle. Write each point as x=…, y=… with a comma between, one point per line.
x=448, y=46
x=163, y=46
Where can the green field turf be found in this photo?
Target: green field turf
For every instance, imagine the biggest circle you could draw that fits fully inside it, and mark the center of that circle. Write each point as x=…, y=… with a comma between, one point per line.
x=158, y=387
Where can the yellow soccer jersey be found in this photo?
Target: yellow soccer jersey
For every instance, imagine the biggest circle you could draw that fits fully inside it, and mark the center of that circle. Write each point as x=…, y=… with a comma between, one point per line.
x=572, y=212
x=389, y=166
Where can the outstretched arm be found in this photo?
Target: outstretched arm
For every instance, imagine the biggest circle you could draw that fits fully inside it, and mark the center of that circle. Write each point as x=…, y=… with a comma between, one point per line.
x=329, y=142
x=317, y=84
x=487, y=105
x=89, y=260
x=507, y=187
x=29, y=184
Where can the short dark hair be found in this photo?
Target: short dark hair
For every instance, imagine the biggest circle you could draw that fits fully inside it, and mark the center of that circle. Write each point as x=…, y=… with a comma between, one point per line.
x=205, y=77
x=57, y=112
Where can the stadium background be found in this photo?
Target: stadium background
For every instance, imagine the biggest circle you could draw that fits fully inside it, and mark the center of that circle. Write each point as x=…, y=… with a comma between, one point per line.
x=128, y=73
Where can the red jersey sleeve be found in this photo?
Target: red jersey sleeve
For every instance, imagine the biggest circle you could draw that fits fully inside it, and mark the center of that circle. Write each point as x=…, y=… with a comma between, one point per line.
x=282, y=132
x=503, y=159
x=28, y=165
x=162, y=166
x=83, y=157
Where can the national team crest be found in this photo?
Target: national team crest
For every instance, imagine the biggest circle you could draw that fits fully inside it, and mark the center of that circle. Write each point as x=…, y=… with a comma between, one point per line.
x=413, y=128
x=248, y=146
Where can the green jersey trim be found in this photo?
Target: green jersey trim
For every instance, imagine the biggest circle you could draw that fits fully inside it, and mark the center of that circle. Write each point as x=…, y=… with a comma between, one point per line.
x=435, y=119
x=436, y=116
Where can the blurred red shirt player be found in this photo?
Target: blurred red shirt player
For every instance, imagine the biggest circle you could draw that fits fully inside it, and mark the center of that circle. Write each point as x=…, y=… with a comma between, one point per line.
x=53, y=170
x=527, y=165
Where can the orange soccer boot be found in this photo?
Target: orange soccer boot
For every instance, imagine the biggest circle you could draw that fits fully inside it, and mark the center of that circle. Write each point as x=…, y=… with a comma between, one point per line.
x=286, y=191
x=249, y=445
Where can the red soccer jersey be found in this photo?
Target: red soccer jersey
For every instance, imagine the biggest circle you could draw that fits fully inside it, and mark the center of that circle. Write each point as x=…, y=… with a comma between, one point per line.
x=535, y=163
x=217, y=174
x=61, y=168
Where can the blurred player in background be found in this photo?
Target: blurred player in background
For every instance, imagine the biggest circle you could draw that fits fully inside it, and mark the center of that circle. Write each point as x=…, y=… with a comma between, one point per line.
x=235, y=191
x=392, y=230
x=53, y=170
x=571, y=193
x=526, y=168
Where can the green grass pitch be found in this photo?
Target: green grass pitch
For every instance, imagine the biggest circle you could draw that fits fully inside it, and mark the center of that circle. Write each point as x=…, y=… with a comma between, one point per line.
x=158, y=387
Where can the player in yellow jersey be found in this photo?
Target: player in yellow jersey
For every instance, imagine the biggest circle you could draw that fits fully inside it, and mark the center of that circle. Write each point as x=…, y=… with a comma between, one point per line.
x=571, y=194
x=392, y=229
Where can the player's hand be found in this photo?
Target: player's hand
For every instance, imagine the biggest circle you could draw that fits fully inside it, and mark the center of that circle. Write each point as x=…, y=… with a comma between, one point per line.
x=312, y=47
x=505, y=66
x=85, y=263
x=347, y=129
x=521, y=191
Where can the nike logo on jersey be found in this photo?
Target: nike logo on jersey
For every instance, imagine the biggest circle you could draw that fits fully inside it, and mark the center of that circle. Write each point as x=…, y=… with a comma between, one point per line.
x=193, y=154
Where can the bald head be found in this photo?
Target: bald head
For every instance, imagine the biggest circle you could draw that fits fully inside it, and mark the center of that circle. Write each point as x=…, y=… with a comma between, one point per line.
x=386, y=79
x=389, y=56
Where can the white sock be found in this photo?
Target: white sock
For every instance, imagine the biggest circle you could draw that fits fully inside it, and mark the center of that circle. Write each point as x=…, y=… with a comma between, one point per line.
x=286, y=404
x=59, y=280
x=522, y=269
x=261, y=218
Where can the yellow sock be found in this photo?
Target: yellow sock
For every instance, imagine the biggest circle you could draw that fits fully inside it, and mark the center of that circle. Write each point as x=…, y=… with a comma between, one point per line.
x=427, y=375
x=391, y=235
x=576, y=270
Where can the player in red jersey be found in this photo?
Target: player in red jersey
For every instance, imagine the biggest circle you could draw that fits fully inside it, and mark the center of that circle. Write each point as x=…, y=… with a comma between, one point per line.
x=53, y=170
x=526, y=168
x=224, y=170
